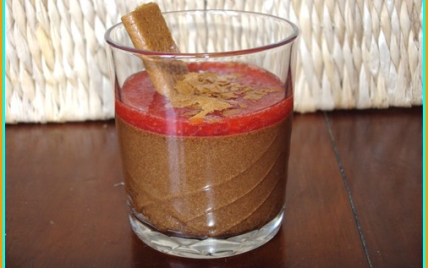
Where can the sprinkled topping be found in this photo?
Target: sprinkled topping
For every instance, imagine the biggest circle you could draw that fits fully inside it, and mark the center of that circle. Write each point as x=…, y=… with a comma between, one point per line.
x=208, y=92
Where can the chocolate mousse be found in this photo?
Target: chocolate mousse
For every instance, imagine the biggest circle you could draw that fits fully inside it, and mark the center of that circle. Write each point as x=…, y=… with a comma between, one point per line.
x=204, y=145
x=206, y=186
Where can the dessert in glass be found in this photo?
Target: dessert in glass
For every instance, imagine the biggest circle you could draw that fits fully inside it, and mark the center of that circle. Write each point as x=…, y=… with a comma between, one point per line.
x=204, y=117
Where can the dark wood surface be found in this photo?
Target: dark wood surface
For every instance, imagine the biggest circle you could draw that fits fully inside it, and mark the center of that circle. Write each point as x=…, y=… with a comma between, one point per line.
x=354, y=197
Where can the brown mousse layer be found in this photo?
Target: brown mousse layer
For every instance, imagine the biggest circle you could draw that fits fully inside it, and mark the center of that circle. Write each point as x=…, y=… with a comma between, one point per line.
x=218, y=186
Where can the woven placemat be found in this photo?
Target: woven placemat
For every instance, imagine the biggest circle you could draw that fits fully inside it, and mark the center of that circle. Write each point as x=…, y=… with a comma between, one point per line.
x=353, y=54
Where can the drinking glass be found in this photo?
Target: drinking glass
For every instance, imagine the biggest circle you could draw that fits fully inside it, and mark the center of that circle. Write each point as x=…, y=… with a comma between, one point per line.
x=210, y=185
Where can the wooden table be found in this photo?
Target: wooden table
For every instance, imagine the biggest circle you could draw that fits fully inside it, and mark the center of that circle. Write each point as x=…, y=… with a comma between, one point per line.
x=354, y=197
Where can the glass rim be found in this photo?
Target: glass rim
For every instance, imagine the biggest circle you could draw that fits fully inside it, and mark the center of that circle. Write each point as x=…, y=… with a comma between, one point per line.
x=288, y=40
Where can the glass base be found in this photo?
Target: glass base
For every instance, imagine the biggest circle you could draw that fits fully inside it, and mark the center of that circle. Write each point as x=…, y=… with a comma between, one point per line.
x=209, y=248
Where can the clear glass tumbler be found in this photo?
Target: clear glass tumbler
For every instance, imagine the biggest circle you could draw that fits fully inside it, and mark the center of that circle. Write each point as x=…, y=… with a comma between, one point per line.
x=207, y=182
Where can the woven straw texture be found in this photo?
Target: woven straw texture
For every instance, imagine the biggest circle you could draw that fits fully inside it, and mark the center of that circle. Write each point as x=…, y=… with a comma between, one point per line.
x=353, y=54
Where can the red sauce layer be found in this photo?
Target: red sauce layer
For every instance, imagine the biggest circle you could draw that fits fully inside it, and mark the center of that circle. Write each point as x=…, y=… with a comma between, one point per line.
x=140, y=105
